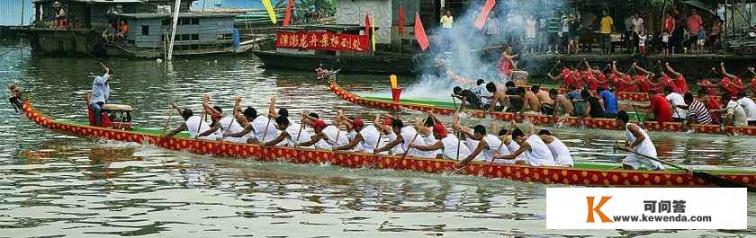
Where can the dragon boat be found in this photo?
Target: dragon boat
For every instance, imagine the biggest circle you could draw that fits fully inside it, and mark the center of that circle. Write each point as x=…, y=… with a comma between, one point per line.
x=446, y=108
x=583, y=174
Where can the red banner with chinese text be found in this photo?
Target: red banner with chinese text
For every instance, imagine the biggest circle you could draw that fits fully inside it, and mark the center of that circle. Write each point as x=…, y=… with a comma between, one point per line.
x=322, y=41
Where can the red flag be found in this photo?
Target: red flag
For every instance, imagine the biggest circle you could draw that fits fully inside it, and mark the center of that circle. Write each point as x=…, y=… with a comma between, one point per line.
x=422, y=39
x=401, y=19
x=287, y=14
x=480, y=22
x=367, y=24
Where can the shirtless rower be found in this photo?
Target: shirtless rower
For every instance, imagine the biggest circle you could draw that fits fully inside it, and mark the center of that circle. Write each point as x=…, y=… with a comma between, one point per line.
x=563, y=106
x=193, y=124
x=530, y=100
x=543, y=99
x=559, y=150
x=637, y=142
x=499, y=100
x=536, y=151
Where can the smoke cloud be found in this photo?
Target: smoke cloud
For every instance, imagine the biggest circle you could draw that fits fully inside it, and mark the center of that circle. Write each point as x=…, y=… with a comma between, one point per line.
x=469, y=53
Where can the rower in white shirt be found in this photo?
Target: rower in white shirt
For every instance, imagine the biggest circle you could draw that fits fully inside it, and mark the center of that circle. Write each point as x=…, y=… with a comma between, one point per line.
x=193, y=124
x=559, y=150
x=535, y=150
x=451, y=146
x=400, y=140
x=256, y=127
x=363, y=138
x=483, y=145
x=221, y=125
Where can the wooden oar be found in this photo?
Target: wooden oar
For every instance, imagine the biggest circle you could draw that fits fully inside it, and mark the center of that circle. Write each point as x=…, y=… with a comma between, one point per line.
x=454, y=100
x=409, y=146
x=170, y=115
x=203, y=121
x=296, y=142
x=459, y=143
x=714, y=179
x=265, y=133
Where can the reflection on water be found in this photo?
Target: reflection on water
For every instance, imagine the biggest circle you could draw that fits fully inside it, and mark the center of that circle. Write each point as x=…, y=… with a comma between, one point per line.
x=55, y=185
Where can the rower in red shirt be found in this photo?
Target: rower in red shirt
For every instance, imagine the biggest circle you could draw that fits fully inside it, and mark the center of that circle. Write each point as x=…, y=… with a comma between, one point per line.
x=659, y=106
x=567, y=77
x=730, y=83
x=712, y=104
x=753, y=80
x=679, y=81
x=664, y=80
x=625, y=82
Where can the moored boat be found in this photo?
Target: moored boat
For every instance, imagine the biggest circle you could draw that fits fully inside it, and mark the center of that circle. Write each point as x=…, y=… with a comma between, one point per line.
x=594, y=123
x=583, y=174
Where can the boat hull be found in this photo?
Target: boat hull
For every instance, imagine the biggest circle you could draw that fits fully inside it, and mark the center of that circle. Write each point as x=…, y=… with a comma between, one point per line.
x=547, y=175
x=593, y=123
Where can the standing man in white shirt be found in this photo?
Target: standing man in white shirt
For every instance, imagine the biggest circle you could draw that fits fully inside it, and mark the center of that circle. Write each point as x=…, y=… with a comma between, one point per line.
x=100, y=93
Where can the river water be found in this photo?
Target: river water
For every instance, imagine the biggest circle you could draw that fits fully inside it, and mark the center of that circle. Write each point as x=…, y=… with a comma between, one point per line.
x=53, y=185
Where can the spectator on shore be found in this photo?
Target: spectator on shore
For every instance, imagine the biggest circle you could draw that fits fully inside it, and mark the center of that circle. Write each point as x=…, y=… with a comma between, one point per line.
x=447, y=20
x=695, y=25
x=639, y=27
x=60, y=15
x=607, y=26
x=530, y=34
x=552, y=27
x=679, y=34
x=564, y=33
x=628, y=35
x=492, y=29
x=721, y=12
x=713, y=40
x=574, y=36
x=668, y=27
x=642, y=40
x=123, y=30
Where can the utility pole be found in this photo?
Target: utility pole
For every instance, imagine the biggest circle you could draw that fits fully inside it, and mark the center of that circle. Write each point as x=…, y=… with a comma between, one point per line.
x=173, y=31
x=23, y=5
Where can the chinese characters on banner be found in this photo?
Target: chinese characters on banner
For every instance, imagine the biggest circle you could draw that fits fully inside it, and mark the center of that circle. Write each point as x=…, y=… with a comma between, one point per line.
x=322, y=41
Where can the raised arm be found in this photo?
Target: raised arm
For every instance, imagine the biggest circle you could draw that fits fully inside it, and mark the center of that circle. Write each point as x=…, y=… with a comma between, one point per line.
x=272, y=107
x=176, y=107
x=724, y=71
x=671, y=70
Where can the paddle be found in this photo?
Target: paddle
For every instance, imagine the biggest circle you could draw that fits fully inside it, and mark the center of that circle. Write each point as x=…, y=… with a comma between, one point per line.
x=719, y=181
x=170, y=115
x=454, y=100
x=203, y=121
x=296, y=142
x=409, y=146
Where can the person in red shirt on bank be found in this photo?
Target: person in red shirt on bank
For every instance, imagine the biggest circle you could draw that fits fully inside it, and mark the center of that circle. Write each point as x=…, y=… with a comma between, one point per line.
x=659, y=106
x=679, y=81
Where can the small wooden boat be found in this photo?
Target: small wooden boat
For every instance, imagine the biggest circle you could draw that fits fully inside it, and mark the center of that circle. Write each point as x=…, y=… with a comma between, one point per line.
x=583, y=174
x=443, y=108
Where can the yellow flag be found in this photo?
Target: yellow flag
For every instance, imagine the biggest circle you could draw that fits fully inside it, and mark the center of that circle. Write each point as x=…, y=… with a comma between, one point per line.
x=372, y=20
x=271, y=12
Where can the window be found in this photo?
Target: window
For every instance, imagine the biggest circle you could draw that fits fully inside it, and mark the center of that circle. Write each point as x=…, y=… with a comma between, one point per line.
x=145, y=30
x=185, y=21
x=195, y=36
x=184, y=37
x=166, y=22
x=195, y=21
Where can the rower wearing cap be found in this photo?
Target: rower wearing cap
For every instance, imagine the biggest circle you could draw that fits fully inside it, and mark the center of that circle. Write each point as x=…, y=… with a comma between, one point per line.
x=446, y=142
x=559, y=150
x=220, y=124
x=326, y=136
x=364, y=136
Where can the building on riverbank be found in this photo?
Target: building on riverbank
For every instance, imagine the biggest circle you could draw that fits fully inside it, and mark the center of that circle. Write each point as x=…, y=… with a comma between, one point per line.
x=131, y=28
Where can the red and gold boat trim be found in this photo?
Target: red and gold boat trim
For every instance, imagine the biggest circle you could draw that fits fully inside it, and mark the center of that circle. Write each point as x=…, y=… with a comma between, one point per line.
x=594, y=123
x=548, y=175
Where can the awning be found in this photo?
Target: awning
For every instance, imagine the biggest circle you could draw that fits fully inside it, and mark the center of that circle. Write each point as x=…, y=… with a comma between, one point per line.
x=700, y=5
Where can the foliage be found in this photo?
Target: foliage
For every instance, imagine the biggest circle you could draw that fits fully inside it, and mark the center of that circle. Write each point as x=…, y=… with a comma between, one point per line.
x=327, y=7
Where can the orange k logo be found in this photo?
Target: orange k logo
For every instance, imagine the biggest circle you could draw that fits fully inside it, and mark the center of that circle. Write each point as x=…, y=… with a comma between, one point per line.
x=597, y=209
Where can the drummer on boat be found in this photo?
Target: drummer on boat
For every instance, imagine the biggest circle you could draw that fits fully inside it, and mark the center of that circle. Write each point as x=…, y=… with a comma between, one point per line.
x=100, y=93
